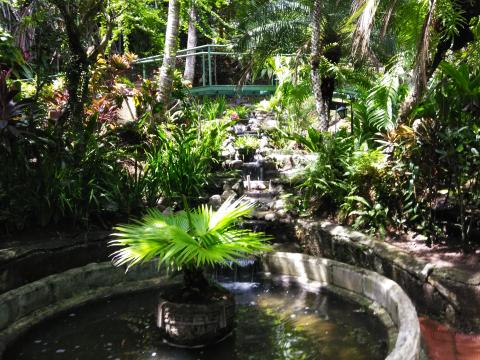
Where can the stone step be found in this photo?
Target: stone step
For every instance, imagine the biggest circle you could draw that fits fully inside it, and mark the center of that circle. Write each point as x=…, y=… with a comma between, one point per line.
x=261, y=185
x=265, y=202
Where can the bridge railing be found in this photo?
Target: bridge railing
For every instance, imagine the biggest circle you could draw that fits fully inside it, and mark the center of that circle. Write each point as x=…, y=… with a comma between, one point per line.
x=213, y=77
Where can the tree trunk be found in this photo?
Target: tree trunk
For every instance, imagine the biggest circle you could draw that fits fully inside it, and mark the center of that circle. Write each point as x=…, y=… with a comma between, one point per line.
x=189, y=73
x=420, y=69
x=194, y=279
x=170, y=55
x=77, y=71
x=460, y=40
x=320, y=104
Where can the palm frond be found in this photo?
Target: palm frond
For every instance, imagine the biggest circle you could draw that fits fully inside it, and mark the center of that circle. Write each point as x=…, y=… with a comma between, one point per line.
x=195, y=238
x=230, y=211
x=365, y=10
x=274, y=26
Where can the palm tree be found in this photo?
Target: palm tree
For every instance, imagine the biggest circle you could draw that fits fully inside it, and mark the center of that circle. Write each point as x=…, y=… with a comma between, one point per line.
x=320, y=105
x=404, y=26
x=189, y=73
x=412, y=24
x=282, y=26
x=190, y=240
x=170, y=55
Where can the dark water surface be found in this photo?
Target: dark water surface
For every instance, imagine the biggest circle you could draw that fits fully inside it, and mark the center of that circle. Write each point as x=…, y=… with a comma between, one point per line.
x=273, y=322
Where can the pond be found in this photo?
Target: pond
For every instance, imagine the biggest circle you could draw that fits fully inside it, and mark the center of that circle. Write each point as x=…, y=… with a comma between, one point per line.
x=274, y=321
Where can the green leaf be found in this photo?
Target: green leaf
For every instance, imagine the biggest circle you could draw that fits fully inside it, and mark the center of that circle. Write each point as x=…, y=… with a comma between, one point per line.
x=209, y=238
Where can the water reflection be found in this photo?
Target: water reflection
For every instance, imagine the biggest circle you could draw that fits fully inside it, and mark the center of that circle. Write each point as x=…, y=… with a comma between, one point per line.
x=273, y=322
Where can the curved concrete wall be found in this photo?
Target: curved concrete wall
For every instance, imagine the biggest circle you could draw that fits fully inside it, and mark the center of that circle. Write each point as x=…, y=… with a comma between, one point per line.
x=24, y=307
x=446, y=293
x=362, y=282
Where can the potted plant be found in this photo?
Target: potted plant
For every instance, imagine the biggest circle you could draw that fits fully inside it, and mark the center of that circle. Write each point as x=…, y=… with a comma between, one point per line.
x=199, y=312
x=247, y=146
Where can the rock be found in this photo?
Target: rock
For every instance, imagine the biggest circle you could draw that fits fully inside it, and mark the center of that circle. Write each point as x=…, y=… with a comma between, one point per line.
x=279, y=204
x=260, y=186
x=215, y=201
x=263, y=142
x=239, y=187
x=227, y=193
x=271, y=124
x=167, y=211
x=269, y=164
x=281, y=213
x=266, y=151
x=239, y=128
x=419, y=237
x=262, y=206
x=227, y=186
x=161, y=208
x=270, y=216
x=128, y=111
x=234, y=164
x=256, y=185
x=228, y=141
x=229, y=151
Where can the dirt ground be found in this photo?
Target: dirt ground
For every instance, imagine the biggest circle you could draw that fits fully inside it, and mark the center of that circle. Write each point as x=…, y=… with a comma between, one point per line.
x=441, y=255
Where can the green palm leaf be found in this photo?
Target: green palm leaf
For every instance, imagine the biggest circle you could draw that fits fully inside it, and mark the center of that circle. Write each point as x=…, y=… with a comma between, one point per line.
x=197, y=238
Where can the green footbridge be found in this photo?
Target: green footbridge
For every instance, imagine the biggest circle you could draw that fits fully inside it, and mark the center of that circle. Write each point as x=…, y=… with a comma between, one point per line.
x=208, y=83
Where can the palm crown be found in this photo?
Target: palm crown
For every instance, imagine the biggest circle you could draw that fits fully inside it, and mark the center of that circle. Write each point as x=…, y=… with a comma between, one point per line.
x=190, y=239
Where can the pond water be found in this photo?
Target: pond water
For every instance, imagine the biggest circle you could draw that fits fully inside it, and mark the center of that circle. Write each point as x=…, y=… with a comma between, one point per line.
x=273, y=322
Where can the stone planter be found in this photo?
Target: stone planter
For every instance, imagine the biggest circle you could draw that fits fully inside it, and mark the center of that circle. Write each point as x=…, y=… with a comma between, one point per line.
x=196, y=325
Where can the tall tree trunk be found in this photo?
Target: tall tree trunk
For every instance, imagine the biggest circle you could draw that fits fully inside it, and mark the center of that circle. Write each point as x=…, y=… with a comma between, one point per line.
x=420, y=69
x=461, y=39
x=189, y=73
x=320, y=104
x=170, y=55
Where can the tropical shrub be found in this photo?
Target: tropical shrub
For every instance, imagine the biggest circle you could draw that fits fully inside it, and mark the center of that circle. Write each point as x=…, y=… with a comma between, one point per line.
x=370, y=216
x=324, y=179
x=212, y=109
x=447, y=134
x=247, y=146
x=348, y=180
x=376, y=108
x=239, y=112
x=182, y=159
x=181, y=167
x=10, y=55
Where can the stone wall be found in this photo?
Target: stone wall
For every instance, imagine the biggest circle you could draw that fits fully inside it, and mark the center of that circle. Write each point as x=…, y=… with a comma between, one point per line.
x=448, y=294
x=361, y=282
x=23, y=263
x=24, y=307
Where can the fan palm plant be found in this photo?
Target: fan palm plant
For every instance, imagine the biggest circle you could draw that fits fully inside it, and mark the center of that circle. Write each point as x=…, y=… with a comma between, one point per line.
x=190, y=240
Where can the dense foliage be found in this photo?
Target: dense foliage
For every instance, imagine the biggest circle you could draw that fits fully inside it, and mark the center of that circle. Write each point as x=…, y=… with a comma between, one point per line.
x=407, y=74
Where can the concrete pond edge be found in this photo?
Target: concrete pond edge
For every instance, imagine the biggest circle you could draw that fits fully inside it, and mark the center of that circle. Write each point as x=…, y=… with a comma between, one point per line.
x=26, y=306
x=362, y=283
x=448, y=294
